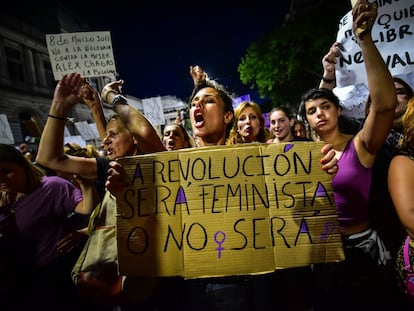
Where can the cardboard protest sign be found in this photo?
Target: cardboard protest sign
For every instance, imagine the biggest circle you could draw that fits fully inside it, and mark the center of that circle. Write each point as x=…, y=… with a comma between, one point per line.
x=226, y=210
x=88, y=53
x=393, y=33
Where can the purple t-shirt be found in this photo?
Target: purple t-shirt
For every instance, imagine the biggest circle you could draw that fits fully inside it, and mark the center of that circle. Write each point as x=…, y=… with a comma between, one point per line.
x=41, y=218
x=351, y=186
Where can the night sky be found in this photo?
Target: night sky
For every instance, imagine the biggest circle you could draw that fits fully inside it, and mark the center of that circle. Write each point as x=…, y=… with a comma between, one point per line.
x=155, y=42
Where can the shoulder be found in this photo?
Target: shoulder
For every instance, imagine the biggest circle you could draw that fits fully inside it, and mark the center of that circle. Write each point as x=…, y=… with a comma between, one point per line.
x=54, y=188
x=366, y=158
x=56, y=182
x=402, y=161
x=401, y=181
x=401, y=167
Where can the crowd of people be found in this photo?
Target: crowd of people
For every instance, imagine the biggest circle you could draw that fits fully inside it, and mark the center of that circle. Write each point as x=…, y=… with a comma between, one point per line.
x=46, y=198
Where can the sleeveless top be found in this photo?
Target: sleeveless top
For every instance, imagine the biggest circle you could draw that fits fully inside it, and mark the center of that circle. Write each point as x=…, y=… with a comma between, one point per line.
x=351, y=186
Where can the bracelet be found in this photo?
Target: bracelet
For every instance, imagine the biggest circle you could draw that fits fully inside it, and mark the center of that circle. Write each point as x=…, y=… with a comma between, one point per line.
x=119, y=99
x=329, y=81
x=57, y=117
x=110, y=91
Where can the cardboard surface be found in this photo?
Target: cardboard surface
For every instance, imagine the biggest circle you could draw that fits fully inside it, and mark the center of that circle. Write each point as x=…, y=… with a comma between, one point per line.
x=226, y=210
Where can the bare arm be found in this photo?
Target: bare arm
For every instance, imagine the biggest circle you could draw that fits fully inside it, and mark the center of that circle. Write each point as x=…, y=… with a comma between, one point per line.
x=90, y=196
x=329, y=61
x=400, y=186
x=136, y=122
x=50, y=153
x=91, y=97
x=380, y=84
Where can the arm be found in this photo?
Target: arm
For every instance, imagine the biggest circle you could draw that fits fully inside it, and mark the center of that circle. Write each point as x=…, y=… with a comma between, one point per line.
x=380, y=84
x=50, y=152
x=135, y=121
x=90, y=196
x=329, y=61
x=400, y=185
x=91, y=97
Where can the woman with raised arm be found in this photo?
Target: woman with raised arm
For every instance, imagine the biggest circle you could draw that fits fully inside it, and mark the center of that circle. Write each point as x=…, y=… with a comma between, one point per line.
x=360, y=280
x=119, y=141
x=34, y=211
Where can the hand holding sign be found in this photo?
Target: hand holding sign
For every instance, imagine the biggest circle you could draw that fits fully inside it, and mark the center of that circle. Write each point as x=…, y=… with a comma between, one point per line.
x=364, y=15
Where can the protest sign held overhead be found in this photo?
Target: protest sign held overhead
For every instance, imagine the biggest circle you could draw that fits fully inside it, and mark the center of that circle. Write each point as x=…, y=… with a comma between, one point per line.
x=393, y=33
x=88, y=53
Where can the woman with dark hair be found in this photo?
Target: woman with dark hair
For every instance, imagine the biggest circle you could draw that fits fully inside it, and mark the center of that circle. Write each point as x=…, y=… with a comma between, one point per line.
x=281, y=122
x=299, y=130
x=34, y=210
x=360, y=278
x=211, y=115
x=175, y=137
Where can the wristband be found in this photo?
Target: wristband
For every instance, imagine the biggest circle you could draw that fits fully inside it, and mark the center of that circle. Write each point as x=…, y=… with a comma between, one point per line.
x=57, y=117
x=107, y=93
x=119, y=99
x=329, y=81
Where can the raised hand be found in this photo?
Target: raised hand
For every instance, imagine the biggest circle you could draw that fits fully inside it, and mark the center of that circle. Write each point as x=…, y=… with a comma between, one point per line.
x=110, y=90
x=364, y=15
x=90, y=96
x=67, y=91
x=198, y=74
x=330, y=59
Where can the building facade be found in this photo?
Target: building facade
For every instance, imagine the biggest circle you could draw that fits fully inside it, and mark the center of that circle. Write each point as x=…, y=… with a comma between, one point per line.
x=26, y=77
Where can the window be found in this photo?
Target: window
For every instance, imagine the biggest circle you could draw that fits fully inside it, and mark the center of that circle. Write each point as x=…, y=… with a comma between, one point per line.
x=14, y=61
x=44, y=71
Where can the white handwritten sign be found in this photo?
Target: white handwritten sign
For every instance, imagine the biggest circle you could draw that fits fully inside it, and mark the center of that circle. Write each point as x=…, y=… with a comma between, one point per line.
x=393, y=33
x=88, y=53
x=6, y=135
x=153, y=110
